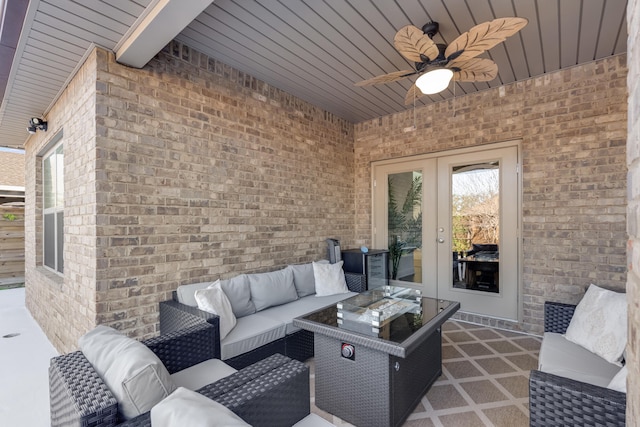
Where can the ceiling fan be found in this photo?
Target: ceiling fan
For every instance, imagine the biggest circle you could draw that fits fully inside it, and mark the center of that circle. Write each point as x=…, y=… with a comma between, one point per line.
x=438, y=64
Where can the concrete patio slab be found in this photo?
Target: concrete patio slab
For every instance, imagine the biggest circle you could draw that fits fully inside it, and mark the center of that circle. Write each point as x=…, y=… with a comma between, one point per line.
x=24, y=362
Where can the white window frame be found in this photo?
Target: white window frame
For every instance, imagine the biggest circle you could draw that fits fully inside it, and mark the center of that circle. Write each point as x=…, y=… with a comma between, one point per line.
x=57, y=208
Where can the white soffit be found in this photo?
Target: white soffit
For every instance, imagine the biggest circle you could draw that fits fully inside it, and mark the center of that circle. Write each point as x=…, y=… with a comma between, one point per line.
x=163, y=22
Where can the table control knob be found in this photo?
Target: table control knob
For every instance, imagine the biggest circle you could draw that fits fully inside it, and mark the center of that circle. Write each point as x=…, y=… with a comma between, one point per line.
x=348, y=351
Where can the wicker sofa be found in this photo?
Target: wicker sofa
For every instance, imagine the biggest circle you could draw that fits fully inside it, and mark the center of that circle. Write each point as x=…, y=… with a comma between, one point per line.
x=263, y=332
x=559, y=401
x=79, y=397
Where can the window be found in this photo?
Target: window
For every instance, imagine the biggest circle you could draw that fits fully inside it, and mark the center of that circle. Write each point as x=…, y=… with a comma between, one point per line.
x=53, y=194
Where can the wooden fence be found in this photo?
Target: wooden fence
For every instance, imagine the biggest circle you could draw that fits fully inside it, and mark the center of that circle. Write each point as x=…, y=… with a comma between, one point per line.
x=11, y=245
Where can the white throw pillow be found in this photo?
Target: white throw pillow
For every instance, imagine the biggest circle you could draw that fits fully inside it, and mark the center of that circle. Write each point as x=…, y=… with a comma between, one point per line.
x=188, y=408
x=214, y=300
x=599, y=323
x=619, y=382
x=329, y=279
x=133, y=373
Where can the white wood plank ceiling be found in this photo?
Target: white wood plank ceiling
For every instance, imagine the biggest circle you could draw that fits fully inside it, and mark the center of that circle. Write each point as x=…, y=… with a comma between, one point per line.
x=314, y=49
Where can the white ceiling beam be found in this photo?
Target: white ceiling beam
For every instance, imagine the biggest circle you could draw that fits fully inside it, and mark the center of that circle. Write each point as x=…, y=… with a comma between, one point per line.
x=161, y=22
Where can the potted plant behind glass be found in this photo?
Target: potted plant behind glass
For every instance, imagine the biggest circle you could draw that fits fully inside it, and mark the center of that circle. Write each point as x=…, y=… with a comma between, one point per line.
x=405, y=225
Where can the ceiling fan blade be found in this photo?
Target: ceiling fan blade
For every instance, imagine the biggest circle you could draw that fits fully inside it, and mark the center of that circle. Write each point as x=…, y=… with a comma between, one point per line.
x=473, y=70
x=386, y=78
x=483, y=37
x=412, y=94
x=411, y=42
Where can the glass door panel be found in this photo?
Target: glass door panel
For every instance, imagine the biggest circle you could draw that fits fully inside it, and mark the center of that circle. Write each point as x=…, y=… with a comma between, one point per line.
x=404, y=226
x=478, y=231
x=475, y=226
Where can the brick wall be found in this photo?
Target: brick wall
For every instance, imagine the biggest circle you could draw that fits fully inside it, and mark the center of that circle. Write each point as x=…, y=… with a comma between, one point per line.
x=572, y=125
x=633, y=225
x=65, y=306
x=184, y=171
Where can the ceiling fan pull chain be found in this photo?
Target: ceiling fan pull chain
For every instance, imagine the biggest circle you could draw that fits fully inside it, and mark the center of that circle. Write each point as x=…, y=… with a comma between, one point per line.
x=414, y=107
x=454, y=99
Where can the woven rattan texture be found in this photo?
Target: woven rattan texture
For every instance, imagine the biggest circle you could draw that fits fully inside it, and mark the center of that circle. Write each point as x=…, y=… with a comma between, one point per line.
x=78, y=396
x=278, y=397
x=243, y=376
x=416, y=373
x=255, y=355
x=175, y=316
x=557, y=316
x=559, y=401
x=299, y=345
x=356, y=392
x=182, y=349
x=356, y=282
x=374, y=389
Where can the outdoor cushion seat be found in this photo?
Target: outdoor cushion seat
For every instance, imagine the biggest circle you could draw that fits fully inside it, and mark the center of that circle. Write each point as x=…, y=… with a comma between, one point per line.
x=250, y=333
x=287, y=312
x=560, y=356
x=198, y=376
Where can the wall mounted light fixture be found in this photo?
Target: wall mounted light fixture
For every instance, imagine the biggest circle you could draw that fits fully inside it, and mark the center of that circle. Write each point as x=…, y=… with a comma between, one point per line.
x=36, y=124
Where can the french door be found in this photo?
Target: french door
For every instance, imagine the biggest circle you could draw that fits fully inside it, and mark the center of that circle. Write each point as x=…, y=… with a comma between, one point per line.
x=451, y=224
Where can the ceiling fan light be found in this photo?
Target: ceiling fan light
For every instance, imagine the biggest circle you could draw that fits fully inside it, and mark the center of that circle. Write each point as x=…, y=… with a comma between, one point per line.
x=434, y=81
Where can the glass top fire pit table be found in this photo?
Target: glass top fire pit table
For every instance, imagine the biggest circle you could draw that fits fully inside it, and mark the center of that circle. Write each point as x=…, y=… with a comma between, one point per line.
x=377, y=353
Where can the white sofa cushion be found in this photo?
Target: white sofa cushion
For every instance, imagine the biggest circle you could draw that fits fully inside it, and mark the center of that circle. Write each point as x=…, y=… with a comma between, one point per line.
x=303, y=279
x=202, y=374
x=239, y=293
x=188, y=408
x=133, y=373
x=186, y=293
x=561, y=357
x=250, y=333
x=619, y=382
x=214, y=300
x=329, y=278
x=273, y=288
x=286, y=313
x=599, y=323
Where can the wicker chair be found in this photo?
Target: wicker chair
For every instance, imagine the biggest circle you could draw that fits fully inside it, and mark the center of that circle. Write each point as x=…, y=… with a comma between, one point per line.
x=273, y=392
x=559, y=401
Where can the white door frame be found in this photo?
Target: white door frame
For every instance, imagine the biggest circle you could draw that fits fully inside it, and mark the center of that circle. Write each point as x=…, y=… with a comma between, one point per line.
x=428, y=164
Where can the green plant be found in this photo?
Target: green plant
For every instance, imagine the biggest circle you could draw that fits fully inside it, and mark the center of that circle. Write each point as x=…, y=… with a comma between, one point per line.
x=9, y=217
x=405, y=225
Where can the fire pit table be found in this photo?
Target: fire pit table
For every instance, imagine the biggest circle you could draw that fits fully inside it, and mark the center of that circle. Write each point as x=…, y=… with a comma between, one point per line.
x=377, y=353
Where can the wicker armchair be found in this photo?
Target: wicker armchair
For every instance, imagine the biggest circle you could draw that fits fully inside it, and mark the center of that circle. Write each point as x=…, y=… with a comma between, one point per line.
x=559, y=401
x=273, y=392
